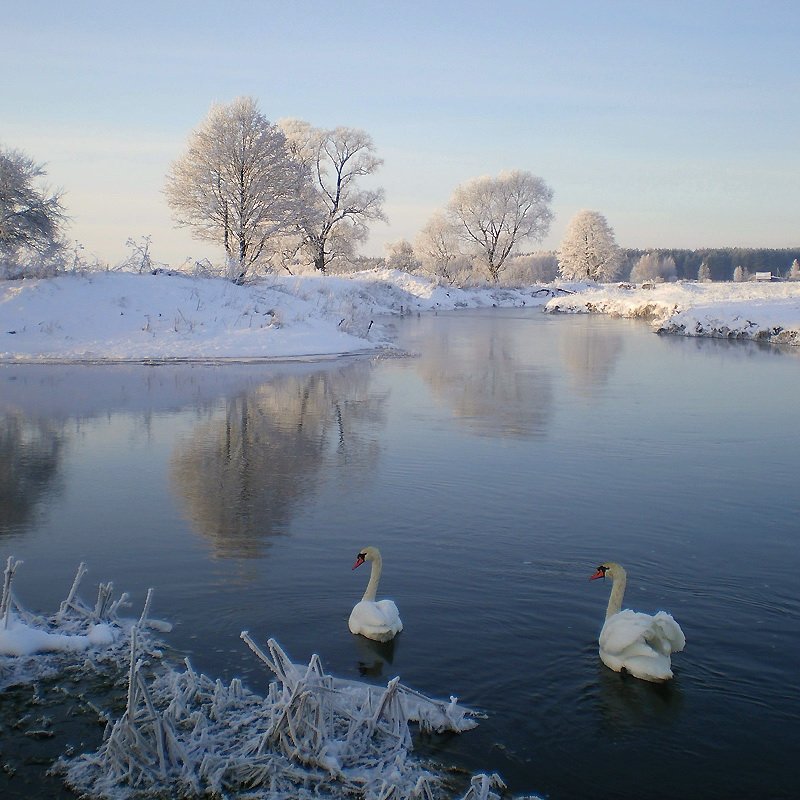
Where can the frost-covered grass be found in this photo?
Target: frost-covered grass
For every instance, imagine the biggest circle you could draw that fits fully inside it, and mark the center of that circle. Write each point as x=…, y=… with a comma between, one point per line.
x=762, y=311
x=311, y=736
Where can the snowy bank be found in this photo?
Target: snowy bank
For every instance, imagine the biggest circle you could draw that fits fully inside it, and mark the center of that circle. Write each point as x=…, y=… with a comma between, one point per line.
x=125, y=317
x=116, y=316
x=768, y=312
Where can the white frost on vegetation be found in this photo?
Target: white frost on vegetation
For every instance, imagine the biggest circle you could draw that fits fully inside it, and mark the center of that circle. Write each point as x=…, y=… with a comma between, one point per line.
x=34, y=646
x=767, y=312
x=311, y=736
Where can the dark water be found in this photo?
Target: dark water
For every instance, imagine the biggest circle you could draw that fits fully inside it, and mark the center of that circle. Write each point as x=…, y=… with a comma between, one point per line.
x=495, y=471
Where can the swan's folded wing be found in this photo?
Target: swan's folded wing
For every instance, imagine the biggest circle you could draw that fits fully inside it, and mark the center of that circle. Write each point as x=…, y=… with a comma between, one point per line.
x=624, y=630
x=655, y=667
x=390, y=613
x=670, y=638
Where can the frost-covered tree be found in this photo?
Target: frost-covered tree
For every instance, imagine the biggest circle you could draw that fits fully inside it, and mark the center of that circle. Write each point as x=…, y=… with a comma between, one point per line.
x=491, y=215
x=437, y=246
x=335, y=209
x=400, y=255
x=704, y=273
x=794, y=271
x=740, y=274
x=236, y=185
x=654, y=267
x=31, y=218
x=588, y=250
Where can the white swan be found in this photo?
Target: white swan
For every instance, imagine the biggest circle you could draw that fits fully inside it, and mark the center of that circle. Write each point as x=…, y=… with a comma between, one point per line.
x=375, y=620
x=639, y=643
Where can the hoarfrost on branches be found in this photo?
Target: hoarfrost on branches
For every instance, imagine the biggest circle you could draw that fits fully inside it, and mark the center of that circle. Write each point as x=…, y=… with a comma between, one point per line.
x=236, y=185
x=588, y=250
x=334, y=208
x=492, y=214
x=31, y=219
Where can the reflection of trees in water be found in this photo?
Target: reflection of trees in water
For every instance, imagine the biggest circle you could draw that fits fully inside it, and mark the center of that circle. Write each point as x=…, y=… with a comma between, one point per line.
x=30, y=457
x=241, y=474
x=589, y=354
x=487, y=382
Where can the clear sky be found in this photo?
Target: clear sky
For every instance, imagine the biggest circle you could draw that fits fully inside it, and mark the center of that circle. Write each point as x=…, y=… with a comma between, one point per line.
x=679, y=121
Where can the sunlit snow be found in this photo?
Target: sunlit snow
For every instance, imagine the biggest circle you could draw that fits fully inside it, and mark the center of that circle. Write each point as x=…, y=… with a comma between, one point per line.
x=115, y=316
x=767, y=312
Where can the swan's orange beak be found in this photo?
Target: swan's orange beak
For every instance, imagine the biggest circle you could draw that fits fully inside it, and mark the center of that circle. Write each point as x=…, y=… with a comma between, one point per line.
x=598, y=574
x=359, y=561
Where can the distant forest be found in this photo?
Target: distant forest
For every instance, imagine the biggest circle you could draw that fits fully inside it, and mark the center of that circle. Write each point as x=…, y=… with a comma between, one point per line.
x=721, y=261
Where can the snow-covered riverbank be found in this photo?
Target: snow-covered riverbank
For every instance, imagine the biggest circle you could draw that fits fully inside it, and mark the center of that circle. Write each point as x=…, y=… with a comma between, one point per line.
x=767, y=312
x=115, y=316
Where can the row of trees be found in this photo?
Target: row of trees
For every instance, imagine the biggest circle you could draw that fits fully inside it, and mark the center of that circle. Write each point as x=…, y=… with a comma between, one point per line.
x=289, y=196
x=274, y=195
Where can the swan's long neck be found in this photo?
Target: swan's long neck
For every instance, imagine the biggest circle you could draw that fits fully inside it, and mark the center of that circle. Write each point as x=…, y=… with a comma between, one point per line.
x=620, y=579
x=374, y=576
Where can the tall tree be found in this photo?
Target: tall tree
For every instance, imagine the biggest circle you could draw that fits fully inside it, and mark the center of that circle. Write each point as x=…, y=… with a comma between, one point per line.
x=492, y=215
x=335, y=208
x=236, y=184
x=588, y=250
x=31, y=216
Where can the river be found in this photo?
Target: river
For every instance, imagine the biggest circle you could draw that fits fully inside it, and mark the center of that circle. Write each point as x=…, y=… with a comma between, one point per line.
x=495, y=467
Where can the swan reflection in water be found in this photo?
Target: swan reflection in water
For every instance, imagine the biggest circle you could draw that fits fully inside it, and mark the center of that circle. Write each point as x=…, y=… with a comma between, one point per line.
x=626, y=702
x=372, y=656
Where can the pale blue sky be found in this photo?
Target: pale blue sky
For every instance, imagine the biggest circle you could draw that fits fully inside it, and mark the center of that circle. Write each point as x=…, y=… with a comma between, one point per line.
x=679, y=121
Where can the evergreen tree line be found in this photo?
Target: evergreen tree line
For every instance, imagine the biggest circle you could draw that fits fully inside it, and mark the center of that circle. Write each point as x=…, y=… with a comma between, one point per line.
x=721, y=261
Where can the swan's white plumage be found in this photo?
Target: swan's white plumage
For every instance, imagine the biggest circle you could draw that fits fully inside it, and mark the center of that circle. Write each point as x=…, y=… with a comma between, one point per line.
x=377, y=620
x=640, y=643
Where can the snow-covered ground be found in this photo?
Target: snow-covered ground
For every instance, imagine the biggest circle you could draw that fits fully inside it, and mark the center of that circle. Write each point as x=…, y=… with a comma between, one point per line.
x=116, y=316
x=768, y=311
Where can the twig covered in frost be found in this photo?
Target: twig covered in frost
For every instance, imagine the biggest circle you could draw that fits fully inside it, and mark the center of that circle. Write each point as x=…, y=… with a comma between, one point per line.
x=5, y=602
x=68, y=604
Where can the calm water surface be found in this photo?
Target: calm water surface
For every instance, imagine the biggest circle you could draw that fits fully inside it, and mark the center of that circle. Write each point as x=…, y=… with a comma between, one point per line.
x=495, y=470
